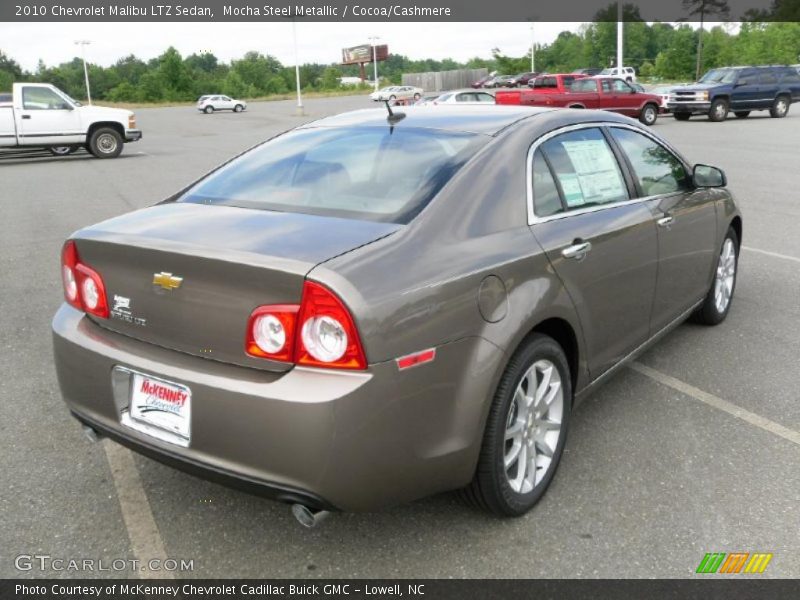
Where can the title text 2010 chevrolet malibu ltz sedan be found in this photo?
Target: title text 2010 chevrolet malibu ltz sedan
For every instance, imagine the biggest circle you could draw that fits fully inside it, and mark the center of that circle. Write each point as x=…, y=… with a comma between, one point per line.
x=370, y=308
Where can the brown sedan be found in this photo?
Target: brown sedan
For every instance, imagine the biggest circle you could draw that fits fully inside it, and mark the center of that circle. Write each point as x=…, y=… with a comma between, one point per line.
x=370, y=309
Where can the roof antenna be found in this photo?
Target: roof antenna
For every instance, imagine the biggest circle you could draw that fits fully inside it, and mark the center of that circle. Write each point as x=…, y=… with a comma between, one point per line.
x=393, y=117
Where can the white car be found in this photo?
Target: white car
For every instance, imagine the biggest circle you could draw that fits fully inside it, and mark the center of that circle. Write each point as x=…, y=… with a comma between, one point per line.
x=626, y=73
x=208, y=104
x=663, y=93
x=468, y=96
x=397, y=92
x=39, y=115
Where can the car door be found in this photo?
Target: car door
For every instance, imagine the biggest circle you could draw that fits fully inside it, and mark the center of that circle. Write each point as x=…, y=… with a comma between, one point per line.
x=745, y=93
x=767, y=88
x=226, y=103
x=622, y=98
x=686, y=223
x=44, y=117
x=601, y=242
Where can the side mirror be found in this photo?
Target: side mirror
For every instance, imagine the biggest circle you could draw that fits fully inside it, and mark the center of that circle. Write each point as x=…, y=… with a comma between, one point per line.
x=705, y=176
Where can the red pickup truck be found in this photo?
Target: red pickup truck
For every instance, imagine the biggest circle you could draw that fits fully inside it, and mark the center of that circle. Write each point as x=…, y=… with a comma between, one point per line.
x=552, y=83
x=605, y=93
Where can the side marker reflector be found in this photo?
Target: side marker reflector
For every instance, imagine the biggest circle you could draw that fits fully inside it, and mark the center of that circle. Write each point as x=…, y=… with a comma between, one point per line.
x=418, y=358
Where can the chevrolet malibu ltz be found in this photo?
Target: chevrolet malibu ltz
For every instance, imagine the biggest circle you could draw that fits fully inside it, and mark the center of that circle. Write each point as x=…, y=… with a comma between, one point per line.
x=373, y=307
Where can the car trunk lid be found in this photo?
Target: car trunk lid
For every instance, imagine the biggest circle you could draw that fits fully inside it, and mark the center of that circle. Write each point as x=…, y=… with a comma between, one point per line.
x=188, y=276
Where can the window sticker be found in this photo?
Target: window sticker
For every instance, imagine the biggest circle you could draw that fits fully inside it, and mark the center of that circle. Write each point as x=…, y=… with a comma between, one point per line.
x=596, y=172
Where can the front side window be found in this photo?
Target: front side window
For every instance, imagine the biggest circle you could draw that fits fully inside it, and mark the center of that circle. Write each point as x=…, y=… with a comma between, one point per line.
x=485, y=98
x=370, y=173
x=657, y=170
x=585, y=168
x=621, y=87
x=39, y=98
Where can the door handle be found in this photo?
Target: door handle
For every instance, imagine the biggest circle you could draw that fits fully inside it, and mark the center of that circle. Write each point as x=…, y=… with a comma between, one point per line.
x=26, y=116
x=577, y=251
x=665, y=221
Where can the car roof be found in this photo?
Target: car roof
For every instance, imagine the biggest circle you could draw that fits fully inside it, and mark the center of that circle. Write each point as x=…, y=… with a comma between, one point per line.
x=487, y=120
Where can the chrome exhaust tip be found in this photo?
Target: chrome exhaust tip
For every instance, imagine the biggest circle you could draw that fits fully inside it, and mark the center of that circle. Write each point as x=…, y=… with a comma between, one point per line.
x=308, y=517
x=91, y=434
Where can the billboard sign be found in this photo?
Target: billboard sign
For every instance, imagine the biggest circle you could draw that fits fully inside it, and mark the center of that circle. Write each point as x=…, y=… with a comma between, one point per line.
x=363, y=54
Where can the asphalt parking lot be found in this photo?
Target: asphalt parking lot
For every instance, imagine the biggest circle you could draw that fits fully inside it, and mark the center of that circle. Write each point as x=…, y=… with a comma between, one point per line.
x=694, y=449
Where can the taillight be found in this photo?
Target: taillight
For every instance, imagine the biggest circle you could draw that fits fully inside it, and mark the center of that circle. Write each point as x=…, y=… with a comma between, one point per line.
x=318, y=332
x=83, y=287
x=271, y=332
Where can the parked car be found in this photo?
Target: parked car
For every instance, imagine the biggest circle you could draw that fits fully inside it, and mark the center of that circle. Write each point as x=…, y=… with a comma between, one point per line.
x=310, y=320
x=553, y=82
x=606, y=93
x=738, y=89
x=398, y=92
x=522, y=79
x=39, y=115
x=626, y=73
x=464, y=97
x=209, y=104
x=479, y=83
x=427, y=99
x=500, y=81
x=663, y=92
x=590, y=72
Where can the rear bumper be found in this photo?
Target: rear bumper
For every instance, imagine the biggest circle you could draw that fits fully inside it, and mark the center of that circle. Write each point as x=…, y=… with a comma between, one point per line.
x=133, y=135
x=334, y=440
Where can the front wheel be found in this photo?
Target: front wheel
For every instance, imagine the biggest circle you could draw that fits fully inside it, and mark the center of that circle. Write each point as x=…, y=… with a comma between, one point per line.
x=717, y=303
x=718, y=111
x=208, y=110
x=682, y=116
x=525, y=431
x=780, y=108
x=649, y=115
x=238, y=108
x=105, y=142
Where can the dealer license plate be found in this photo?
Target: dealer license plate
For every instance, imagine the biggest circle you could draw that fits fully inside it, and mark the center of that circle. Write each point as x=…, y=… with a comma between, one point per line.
x=161, y=404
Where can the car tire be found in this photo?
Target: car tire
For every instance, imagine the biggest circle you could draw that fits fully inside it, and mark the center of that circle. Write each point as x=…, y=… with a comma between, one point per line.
x=719, y=110
x=649, y=114
x=238, y=108
x=682, y=116
x=718, y=301
x=504, y=483
x=780, y=108
x=742, y=114
x=208, y=110
x=105, y=142
x=63, y=150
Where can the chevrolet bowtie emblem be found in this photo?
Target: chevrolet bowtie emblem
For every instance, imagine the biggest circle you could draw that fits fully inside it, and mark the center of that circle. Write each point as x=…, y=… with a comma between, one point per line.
x=167, y=281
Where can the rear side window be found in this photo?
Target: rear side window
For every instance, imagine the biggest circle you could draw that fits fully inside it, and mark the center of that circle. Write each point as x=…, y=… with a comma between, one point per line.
x=585, y=169
x=568, y=81
x=790, y=77
x=546, y=199
x=545, y=82
x=657, y=170
x=584, y=85
x=768, y=77
x=370, y=173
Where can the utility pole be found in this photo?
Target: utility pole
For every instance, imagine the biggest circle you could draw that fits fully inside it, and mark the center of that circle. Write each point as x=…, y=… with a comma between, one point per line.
x=533, y=49
x=83, y=44
x=372, y=40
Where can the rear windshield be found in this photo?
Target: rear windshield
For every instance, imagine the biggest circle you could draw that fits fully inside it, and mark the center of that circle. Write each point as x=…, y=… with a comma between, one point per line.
x=371, y=173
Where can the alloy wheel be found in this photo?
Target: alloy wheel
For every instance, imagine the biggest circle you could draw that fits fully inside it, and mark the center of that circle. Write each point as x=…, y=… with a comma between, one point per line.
x=533, y=426
x=726, y=273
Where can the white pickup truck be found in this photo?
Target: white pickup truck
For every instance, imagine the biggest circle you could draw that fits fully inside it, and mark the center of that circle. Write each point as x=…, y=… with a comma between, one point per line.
x=39, y=115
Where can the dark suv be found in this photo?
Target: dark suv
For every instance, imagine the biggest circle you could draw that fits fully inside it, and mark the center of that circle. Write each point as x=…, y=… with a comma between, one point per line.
x=737, y=89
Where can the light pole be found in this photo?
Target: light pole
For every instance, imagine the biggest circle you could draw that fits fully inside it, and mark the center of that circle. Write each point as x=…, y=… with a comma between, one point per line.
x=533, y=49
x=372, y=40
x=299, y=111
x=619, y=38
x=83, y=44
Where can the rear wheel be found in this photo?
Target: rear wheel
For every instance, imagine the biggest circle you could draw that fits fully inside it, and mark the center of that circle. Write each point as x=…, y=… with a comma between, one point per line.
x=525, y=431
x=105, y=142
x=238, y=108
x=742, y=114
x=649, y=114
x=208, y=110
x=780, y=108
x=718, y=300
x=719, y=110
x=682, y=116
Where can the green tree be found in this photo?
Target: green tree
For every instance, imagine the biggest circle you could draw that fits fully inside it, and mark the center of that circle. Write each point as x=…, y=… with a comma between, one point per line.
x=704, y=9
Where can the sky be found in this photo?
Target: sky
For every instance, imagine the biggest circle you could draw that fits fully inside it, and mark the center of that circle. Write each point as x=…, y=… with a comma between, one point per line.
x=317, y=42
